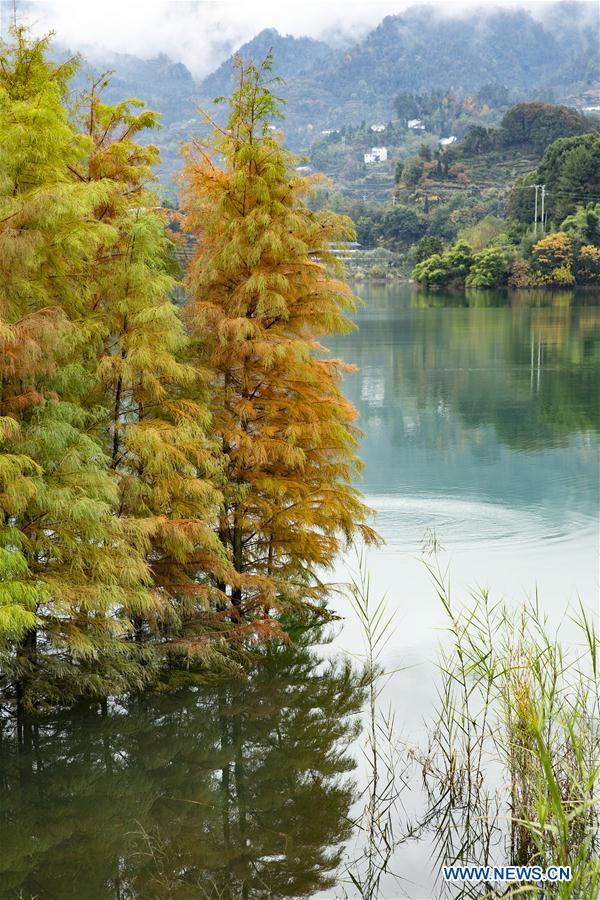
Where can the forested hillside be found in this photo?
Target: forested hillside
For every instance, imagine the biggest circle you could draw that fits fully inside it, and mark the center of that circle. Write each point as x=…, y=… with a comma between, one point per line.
x=422, y=49
x=551, y=55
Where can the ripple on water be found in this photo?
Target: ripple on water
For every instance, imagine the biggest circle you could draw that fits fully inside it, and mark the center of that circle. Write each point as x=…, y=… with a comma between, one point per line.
x=460, y=523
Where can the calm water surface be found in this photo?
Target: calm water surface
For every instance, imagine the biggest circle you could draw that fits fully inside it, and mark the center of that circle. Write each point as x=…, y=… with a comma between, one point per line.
x=481, y=421
x=481, y=424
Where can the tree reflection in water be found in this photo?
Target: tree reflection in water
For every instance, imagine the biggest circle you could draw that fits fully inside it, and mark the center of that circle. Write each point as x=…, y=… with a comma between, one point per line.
x=240, y=789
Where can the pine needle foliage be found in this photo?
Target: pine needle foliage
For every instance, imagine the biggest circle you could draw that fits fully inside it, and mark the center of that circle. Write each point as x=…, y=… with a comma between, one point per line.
x=68, y=566
x=263, y=294
x=170, y=484
x=155, y=415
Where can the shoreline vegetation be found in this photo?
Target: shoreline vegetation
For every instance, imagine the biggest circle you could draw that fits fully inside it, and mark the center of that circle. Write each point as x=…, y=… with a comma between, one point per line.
x=510, y=765
x=516, y=204
x=513, y=255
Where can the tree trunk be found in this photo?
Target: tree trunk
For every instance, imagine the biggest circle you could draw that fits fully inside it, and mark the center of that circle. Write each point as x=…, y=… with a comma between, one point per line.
x=238, y=563
x=26, y=652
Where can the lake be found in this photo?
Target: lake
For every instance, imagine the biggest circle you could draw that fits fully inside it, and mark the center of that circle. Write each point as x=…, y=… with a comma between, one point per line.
x=481, y=418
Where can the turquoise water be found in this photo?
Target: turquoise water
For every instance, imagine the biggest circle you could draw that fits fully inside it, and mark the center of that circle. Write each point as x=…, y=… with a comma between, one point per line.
x=481, y=418
x=481, y=421
x=481, y=425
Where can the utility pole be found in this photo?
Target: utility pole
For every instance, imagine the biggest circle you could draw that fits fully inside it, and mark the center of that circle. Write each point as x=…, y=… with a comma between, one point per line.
x=543, y=197
x=536, y=186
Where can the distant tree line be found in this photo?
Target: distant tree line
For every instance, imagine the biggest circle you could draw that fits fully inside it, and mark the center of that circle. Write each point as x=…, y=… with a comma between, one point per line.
x=535, y=124
x=519, y=252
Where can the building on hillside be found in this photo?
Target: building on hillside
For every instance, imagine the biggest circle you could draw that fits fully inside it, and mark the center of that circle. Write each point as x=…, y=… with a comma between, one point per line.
x=376, y=154
x=415, y=125
x=445, y=142
x=378, y=127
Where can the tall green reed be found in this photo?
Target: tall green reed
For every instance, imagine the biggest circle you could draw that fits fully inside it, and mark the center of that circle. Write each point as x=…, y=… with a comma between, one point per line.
x=377, y=822
x=513, y=763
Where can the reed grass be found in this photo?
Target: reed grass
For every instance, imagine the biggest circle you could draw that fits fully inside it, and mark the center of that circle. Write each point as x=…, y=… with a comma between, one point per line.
x=377, y=821
x=511, y=768
x=513, y=763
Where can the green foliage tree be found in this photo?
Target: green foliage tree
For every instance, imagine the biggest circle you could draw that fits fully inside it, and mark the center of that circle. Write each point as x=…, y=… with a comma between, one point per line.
x=541, y=124
x=401, y=225
x=521, y=199
x=483, y=232
x=412, y=171
x=569, y=169
x=425, y=152
x=480, y=140
x=460, y=259
x=578, y=175
x=489, y=268
x=70, y=566
x=451, y=266
x=583, y=226
x=426, y=247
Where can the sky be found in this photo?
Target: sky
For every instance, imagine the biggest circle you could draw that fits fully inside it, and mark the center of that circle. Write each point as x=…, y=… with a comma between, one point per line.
x=202, y=33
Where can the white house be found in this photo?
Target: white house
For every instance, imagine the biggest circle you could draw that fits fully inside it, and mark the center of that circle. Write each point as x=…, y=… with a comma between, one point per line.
x=377, y=127
x=445, y=142
x=416, y=125
x=376, y=154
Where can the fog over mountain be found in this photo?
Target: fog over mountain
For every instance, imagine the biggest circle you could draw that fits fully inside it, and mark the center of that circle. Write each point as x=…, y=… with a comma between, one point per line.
x=338, y=69
x=202, y=33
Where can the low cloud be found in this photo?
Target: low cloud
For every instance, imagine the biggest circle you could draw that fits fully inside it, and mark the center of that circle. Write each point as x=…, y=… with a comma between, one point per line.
x=202, y=33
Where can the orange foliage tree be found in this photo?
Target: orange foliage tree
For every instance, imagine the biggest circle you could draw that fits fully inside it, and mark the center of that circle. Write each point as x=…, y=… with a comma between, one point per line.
x=553, y=259
x=263, y=293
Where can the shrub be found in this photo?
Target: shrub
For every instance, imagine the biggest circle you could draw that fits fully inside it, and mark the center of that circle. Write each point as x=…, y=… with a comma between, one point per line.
x=489, y=269
x=520, y=274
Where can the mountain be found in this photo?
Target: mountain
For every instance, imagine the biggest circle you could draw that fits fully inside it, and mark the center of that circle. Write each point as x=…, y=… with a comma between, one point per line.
x=552, y=55
x=292, y=58
x=162, y=84
x=422, y=49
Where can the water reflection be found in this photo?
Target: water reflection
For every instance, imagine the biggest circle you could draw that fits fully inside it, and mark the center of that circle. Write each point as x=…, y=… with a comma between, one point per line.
x=237, y=790
x=485, y=399
x=481, y=422
x=481, y=415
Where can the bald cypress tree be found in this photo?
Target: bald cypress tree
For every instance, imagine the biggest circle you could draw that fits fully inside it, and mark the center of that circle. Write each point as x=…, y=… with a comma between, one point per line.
x=155, y=415
x=262, y=296
x=69, y=568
